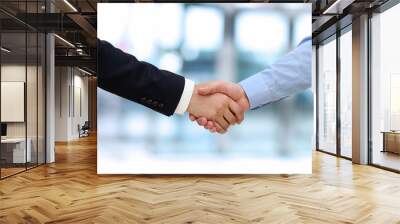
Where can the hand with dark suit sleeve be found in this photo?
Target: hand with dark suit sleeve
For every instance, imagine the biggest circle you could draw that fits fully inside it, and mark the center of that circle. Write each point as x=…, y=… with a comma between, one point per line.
x=163, y=91
x=122, y=74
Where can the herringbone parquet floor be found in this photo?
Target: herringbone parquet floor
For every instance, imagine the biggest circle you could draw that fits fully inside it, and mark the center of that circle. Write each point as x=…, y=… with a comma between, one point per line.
x=70, y=191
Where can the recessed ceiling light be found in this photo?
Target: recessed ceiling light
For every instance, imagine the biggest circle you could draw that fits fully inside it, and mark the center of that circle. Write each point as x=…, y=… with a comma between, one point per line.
x=338, y=6
x=5, y=50
x=84, y=71
x=64, y=40
x=70, y=5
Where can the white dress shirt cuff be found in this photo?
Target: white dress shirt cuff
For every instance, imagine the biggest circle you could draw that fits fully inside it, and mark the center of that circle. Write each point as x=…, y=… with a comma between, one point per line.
x=185, y=98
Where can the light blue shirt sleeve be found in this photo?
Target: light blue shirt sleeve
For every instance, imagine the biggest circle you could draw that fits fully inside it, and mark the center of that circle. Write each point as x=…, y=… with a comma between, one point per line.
x=287, y=76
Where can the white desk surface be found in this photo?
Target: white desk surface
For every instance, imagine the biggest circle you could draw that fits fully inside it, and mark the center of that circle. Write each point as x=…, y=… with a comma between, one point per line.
x=13, y=140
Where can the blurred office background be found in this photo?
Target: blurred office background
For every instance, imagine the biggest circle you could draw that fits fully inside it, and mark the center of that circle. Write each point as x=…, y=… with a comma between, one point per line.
x=205, y=42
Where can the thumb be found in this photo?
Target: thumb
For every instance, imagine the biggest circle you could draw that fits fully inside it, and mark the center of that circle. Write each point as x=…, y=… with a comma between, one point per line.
x=207, y=89
x=229, y=89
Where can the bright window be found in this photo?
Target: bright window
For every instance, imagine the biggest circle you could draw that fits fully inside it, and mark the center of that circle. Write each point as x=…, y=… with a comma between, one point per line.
x=327, y=96
x=346, y=94
x=385, y=89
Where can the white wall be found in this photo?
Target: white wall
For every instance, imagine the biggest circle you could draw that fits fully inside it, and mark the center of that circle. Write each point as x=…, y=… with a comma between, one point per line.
x=12, y=73
x=70, y=84
x=61, y=103
x=33, y=126
x=81, y=84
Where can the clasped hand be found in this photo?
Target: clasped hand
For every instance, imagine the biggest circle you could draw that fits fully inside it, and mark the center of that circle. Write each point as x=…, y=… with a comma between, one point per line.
x=217, y=105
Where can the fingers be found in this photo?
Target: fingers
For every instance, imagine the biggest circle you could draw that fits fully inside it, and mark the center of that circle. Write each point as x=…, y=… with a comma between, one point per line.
x=210, y=125
x=237, y=110
x=192, y=117
x=222, y=110
x=214, y=127
x=244, y=103
x=219, y=129
x=202, y=121
x=230, y=117
x=232, y=90
x=222, y=122
x=225, y=117
x=216, y=87
x=208, y=88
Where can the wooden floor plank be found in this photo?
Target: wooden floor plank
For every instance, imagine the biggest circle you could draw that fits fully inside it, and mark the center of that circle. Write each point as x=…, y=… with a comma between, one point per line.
x=70, y=191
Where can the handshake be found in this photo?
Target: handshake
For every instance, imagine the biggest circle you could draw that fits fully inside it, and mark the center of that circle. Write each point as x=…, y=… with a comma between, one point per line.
x=217, y=105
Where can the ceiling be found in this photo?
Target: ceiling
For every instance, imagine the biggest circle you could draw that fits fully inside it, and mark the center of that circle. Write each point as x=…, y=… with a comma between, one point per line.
x=76, y=22
x=331, y=15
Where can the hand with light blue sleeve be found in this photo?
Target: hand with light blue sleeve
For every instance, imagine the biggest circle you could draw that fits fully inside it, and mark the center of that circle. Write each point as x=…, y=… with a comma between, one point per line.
x=287, y=76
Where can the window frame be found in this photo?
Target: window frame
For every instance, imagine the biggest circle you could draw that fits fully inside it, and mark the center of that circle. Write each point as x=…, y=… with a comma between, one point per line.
x=27, y=29
x=333, y=37
x=381, y=9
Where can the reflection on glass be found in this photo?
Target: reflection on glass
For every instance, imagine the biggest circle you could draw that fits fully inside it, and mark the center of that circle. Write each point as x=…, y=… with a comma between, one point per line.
x=32, y=88
x=327, y=96
x=394, y=102
x=346, y=94
x=41, y=79
x=15, y=150
x=31, y=101
x=385, y=89
x=22, y=91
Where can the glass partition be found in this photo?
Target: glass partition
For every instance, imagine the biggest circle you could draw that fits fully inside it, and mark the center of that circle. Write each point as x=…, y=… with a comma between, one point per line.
x=14, y=153
x=41, y=87
x=346, y=94
x=327, y=96
x=31, y=99
x=385, y=89
x=22, y=91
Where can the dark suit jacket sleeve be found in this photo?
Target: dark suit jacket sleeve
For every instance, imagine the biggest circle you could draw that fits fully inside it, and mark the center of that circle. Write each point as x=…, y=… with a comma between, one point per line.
x=122, y=74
